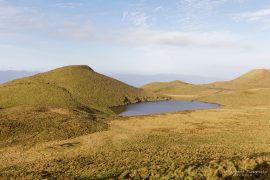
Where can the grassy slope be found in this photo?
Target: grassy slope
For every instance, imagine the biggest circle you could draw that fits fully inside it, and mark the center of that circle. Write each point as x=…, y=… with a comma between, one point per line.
x=197, y=144
x=254, y=79
x=241, y=98
x=71, y=86
x=174, y=87
x=28, y=126
x=160, y=86
x=34, y=93
x=192, y=144
x=258, y=78
x=85, y=94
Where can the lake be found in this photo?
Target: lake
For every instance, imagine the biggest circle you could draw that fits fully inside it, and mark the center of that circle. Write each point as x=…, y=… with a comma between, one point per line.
x=163, y=107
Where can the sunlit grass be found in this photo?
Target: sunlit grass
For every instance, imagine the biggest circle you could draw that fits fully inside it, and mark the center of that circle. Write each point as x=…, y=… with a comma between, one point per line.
x=71, y=139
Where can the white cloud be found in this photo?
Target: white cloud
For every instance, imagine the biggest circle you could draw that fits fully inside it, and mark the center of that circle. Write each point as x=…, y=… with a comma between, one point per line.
x=17, y=20
x=144, y=37
x=158, y=8
x=9, y=14
x=72, y=31
x=193, y=14
x=263, y=14
x=137, y=18
x=201, y=5
x=69, y=5
x=141, y=35
x=14, y=19
x=261, y=17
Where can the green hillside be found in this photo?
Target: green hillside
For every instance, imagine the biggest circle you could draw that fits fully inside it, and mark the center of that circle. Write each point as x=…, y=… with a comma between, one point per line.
x=173, y=87
x=161, y=86
x=60, y=104
x=51, y=128
x=258, y=78
x=71, y=86
x=254, y=79
x=29, y=125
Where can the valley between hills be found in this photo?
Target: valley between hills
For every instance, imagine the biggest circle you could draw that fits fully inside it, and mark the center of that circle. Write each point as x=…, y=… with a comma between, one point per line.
x=62, y=125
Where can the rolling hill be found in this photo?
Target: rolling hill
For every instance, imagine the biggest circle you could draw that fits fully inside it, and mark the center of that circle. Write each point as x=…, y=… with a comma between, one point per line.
x=54, y=137
x=138, y=80
x=63, y=103
x=176, y=88
x=255, y=79
x=71, y=86
x=161, y=86
x=258, y=78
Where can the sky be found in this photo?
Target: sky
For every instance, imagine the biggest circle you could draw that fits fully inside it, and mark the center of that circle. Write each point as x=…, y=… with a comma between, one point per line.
x=212, y=38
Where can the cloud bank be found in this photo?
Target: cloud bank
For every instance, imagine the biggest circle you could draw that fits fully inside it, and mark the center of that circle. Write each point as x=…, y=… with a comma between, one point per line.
x=261, y=17
x=143, y=37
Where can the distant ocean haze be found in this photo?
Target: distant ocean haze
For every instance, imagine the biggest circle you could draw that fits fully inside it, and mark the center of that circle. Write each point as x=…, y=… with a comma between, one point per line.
x=9, y=75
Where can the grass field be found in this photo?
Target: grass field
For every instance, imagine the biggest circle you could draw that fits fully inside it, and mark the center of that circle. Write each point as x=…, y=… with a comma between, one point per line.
x=28, y=126
x=232, y=142
x=191, y=144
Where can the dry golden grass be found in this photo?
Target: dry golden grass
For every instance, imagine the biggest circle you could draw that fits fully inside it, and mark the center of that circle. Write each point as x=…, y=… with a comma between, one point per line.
x=175, y=88
x=249, y=98
x=232, y=142
x=189, y=144
x=258, y=78
x=28, y=126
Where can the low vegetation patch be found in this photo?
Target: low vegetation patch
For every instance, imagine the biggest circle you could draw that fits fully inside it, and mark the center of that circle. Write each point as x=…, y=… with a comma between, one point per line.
x=28, y=126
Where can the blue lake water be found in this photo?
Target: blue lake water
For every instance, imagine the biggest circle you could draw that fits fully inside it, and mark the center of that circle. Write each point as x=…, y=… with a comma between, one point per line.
x=164, y=106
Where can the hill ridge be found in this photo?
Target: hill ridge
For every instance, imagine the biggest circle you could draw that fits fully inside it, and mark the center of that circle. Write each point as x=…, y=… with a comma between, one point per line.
x=256, y=78
x=87, y=88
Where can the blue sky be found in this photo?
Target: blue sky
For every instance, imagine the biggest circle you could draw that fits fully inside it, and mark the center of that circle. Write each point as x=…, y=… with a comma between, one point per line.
x=221, y=38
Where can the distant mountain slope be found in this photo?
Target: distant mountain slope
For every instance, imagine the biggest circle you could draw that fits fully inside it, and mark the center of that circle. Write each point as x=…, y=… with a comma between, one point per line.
x=258, y=78
x=164, y=86
x=173, y=88
x=138, y=80
x=71, y=86
x=6, y=76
